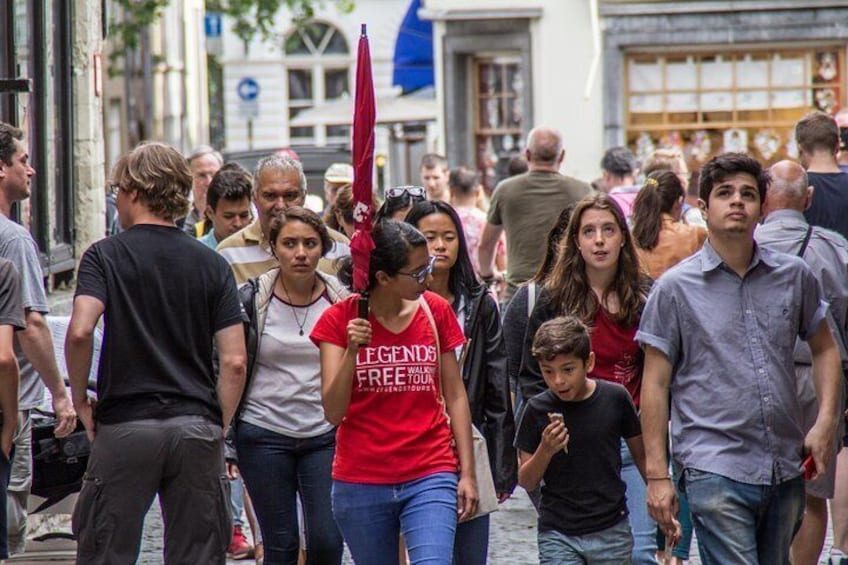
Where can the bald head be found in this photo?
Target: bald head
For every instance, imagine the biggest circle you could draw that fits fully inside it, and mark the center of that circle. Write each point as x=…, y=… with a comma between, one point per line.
x=841, y=118
x=789, y=187
x=544, y=147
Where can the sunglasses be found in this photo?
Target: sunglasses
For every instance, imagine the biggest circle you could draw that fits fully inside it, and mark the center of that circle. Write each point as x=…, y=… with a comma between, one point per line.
x=422, y=274
x=411, y=191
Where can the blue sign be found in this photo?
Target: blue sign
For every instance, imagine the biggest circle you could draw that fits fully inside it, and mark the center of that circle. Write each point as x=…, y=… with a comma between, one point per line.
x=248, y=89
x=212, y=23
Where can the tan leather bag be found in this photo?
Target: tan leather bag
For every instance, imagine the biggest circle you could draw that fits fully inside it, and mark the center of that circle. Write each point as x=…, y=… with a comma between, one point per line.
x=488, y=498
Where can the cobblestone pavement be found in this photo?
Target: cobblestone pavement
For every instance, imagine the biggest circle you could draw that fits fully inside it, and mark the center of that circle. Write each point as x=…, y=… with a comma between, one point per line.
x=512, y=539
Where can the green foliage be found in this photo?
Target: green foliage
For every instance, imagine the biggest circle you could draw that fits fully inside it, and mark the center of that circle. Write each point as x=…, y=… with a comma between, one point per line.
x=250, y=17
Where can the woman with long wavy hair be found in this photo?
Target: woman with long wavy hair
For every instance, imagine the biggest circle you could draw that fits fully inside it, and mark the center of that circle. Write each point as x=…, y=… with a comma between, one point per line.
x=596, y=277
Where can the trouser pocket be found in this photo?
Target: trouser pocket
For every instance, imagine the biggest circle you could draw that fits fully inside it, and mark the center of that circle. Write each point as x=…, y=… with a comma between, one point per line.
x=85, y=524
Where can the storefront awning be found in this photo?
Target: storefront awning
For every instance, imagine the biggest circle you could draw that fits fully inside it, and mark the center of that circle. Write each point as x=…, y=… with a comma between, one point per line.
x=390, y=110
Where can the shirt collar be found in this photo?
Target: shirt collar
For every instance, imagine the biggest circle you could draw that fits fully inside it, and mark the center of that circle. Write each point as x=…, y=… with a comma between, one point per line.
x=710, y=260
x=787, y=216
x=253, y=232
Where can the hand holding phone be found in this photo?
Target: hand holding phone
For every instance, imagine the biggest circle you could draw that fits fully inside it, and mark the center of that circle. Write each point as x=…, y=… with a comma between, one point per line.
x=557, y=417
x=809, y=467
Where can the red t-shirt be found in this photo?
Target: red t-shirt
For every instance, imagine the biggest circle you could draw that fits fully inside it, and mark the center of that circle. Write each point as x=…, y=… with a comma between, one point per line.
x=395, y=429
x=618, y=357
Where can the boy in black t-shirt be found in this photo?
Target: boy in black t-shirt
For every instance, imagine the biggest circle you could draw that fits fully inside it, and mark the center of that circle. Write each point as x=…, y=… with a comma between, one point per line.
x=569, y=439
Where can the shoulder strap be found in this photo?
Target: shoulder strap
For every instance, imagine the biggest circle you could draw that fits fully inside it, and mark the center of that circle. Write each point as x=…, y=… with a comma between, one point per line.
x=531, y=297
x=806, y=241
x=429, y=314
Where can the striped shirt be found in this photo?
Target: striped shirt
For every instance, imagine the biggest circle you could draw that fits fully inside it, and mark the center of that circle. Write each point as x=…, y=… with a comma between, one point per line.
x=249, y=254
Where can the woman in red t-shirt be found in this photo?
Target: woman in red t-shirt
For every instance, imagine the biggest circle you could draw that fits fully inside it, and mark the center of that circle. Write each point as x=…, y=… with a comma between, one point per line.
x=596, y=277
x=392, y=384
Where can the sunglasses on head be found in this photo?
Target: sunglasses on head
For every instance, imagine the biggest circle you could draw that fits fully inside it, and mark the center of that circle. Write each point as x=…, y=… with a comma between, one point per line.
x=406, y=191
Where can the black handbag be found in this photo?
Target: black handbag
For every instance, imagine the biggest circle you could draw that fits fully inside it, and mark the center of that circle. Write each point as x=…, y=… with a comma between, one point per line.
x=58, y=463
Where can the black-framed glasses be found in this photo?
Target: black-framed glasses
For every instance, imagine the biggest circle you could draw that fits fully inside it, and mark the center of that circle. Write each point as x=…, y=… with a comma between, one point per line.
x=411, y=191
x=421, y=275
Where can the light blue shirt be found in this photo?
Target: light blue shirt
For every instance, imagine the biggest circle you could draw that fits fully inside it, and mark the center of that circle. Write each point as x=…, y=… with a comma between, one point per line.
x=730, y=341
x=209, y=240
x=827, y=256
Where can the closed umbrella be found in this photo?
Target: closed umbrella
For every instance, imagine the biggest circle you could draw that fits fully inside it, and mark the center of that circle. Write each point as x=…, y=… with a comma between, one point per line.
x=364, y=116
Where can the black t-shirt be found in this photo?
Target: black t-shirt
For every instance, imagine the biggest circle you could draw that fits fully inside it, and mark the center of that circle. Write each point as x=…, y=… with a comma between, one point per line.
x=11, y=303
x=166, y=295
x=582, y=491
x=829, y=208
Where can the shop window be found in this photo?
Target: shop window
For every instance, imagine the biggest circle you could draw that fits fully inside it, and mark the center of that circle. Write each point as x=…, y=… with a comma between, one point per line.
x=708, y=103
x=498, y=108
x=318, y=69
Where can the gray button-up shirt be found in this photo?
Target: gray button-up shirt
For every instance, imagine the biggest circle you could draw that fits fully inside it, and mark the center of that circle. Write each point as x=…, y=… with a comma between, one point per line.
x=827, y=256
x=729, y=339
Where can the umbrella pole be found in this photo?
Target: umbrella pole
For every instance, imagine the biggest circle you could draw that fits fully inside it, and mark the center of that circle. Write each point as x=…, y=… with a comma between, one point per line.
x=362, y=306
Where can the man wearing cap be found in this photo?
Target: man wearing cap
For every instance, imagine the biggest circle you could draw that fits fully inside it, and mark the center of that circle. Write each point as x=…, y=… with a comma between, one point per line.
x=336, y=176
x=278, y=183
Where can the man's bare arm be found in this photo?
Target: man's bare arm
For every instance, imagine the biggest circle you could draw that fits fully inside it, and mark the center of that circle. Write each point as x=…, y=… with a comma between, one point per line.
x=827, y=379
x=9, y=378
x=656, y=381
x=37, y=344
x=486, y=249
x=79, y=344
x=232, y=357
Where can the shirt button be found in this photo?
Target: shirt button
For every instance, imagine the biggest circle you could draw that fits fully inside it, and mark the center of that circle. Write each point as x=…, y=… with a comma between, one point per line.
x=762, y=371
x=765, y=398
x=768, y=428
x=747, y=311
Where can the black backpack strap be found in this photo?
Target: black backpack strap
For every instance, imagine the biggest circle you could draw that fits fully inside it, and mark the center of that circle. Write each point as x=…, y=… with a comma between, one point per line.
x=806, y=241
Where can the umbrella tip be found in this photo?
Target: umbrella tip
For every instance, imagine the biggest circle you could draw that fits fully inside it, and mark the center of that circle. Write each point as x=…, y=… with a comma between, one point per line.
x=363, y=30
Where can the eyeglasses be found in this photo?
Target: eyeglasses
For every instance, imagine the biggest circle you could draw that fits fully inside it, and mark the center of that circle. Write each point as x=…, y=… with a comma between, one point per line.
x=411, y=191
x=421, y=275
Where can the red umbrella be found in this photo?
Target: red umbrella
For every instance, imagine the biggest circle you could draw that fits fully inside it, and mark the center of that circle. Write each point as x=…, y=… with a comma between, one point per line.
x=361, y=244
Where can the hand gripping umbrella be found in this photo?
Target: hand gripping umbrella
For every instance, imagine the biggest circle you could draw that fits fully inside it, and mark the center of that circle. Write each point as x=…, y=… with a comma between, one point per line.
x=361, y=243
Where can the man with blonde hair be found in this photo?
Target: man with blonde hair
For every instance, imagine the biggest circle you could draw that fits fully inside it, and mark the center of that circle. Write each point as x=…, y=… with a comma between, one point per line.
x=161, y=409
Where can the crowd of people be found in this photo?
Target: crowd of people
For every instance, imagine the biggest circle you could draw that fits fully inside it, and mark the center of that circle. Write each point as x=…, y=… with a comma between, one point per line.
x=668, y=362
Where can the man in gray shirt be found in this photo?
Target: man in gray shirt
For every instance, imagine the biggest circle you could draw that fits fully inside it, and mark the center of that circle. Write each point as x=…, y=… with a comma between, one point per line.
x=826, y=252
x=719, y=333
x=34, y=345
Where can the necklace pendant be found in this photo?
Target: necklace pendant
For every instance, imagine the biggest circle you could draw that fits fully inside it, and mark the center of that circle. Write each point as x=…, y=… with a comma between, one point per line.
x=301, y=332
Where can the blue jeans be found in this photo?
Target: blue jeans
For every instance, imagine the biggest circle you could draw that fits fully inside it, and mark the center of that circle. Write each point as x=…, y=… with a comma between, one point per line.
x=612, y=546
x=644, y=527
x=237, y=500
x=277, y=468
x=472, y=542
x=741, y=523
x=371, y=518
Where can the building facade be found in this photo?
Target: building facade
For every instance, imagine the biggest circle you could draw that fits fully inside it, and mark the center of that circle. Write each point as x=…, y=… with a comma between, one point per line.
x=703, y=76
x=715, y=76
x=159, y=91
x=50, y=86
x=297, y=90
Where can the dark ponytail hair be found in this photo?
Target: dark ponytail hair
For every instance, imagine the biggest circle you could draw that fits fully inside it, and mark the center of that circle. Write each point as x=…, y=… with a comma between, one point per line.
x=392, y=243
x=662, y=190
x=462, y=279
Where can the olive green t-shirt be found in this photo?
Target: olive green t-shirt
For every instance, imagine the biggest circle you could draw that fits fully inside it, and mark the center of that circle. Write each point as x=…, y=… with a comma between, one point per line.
x=527, y=206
